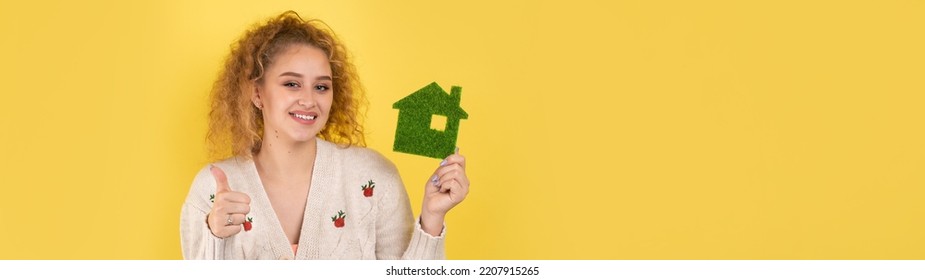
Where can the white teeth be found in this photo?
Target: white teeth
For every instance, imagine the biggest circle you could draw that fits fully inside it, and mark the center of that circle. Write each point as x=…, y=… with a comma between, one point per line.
x=304, y=117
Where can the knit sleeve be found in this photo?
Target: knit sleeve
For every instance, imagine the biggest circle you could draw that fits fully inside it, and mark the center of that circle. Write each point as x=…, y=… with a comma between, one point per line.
x=424, y=246
x=399, y=235
x=196, y=239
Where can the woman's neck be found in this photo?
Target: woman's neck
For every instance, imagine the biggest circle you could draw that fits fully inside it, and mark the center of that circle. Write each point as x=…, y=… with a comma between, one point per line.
x=286, y=162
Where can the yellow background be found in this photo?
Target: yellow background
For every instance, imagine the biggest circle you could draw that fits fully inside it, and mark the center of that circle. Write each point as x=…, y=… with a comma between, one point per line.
x=627, y=130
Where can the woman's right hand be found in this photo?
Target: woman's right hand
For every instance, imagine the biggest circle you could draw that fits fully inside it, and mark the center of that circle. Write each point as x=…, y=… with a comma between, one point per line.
x=229, y=211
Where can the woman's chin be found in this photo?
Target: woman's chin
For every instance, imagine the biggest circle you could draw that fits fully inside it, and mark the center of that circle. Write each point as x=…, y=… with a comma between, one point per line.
x=304, y=137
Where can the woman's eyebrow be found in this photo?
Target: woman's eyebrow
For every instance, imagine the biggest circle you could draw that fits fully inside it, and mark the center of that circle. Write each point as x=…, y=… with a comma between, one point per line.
x=297, y=75
x=294, y=74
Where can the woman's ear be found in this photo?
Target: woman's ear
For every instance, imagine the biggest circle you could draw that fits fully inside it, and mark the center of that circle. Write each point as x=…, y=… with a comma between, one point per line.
x=255, y=98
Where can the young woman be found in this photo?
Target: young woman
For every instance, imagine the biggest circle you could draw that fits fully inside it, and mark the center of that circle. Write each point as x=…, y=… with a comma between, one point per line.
x=299, y=185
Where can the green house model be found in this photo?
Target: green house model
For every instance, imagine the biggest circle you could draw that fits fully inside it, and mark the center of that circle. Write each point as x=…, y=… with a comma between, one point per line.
x=428, y=121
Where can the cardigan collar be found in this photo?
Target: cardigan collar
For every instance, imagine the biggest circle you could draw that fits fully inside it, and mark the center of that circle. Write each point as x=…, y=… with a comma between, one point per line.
x=323, y=178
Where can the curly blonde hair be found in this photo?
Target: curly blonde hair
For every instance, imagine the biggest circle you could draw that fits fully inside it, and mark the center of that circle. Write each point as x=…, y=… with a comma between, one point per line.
x=236, y=124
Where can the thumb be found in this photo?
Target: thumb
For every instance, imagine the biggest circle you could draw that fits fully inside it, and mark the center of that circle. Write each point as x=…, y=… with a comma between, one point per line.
x=221, y=181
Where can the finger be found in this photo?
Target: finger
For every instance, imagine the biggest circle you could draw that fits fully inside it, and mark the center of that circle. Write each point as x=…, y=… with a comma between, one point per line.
x=233, y=197
x=453, y=176
x=438, y=173
x=233, y=208
x=450, y=162
x=460, y=179
x=220, y=226
x=236, y=220
x=224, y=220
x=447, y=186
x=231, y=230
x=455, y=184
x=454, y=159
x=454, y=189
x=447, y=172
x=221, y=181
x=432, y=183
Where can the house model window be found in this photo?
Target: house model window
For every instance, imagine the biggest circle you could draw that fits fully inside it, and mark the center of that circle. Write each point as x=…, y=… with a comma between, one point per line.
x=428, y=121
x=438, y=122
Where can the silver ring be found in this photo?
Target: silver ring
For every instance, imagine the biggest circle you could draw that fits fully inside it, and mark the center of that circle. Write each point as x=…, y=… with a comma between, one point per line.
x=229, y=221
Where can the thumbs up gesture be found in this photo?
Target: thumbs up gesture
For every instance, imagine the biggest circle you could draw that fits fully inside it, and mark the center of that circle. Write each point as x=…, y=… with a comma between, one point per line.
x=229, y=211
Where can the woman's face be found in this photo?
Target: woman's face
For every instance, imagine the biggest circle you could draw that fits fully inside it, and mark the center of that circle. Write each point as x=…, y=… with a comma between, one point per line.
x=296, y=94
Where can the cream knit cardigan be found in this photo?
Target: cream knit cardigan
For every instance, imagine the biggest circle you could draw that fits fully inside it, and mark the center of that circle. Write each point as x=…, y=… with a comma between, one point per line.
x=377, y=227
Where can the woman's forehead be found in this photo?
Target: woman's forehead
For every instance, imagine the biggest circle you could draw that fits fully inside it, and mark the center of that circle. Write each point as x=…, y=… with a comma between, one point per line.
x=304, y=60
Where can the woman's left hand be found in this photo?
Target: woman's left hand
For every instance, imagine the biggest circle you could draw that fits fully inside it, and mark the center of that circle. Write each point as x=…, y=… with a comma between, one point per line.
x=447, y=187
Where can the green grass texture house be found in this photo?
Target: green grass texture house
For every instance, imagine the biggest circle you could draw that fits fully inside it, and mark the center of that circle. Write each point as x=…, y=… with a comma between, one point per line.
x=428, y=121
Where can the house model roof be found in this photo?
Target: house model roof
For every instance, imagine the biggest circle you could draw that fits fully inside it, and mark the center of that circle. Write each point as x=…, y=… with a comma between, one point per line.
x=432, y=99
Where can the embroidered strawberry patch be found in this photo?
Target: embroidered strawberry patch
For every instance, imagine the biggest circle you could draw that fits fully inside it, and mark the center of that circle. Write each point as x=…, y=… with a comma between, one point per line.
x=368, y=188
x=249, y=224
x=339, y=219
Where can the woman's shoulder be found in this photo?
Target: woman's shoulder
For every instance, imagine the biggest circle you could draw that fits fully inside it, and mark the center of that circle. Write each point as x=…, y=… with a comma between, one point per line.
x=361, y=157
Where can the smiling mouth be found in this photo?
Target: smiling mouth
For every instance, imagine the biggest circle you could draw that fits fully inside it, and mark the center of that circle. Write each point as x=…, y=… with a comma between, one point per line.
x=304, y=117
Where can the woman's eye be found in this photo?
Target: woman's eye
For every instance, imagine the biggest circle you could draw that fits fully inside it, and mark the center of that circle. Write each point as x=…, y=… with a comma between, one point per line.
x=322, y=88
x=291, y=84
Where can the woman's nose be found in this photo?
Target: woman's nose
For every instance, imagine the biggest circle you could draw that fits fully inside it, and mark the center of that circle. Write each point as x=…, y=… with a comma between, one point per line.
x=307, y=100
